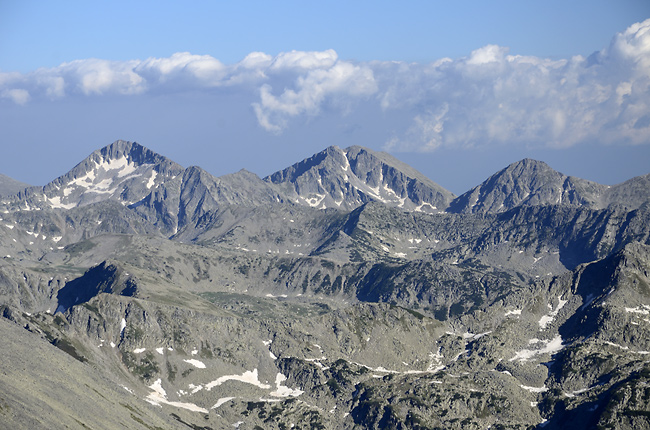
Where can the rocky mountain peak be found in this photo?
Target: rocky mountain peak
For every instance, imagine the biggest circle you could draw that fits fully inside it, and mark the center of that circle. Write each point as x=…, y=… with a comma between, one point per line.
x=528, y=182
x=122, y=171
x=134, y=154
x=348, y=178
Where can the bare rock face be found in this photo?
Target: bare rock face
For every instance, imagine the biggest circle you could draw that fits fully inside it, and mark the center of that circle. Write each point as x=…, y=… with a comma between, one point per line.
x=348, y=178
x=534, y=183
x=529, y=182
x=344, y=292
x=9, y=186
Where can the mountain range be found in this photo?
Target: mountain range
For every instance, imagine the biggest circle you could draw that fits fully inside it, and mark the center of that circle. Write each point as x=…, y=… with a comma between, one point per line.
x=345, y=291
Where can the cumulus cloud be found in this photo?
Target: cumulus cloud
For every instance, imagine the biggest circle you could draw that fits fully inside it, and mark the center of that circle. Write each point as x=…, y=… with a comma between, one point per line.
x=486, y=98
x=491, y=97
x=182, y=69
x=340, y=79
x=305, y=60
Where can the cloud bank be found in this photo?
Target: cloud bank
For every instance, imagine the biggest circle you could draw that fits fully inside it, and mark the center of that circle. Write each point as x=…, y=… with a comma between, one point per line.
x=486, y=98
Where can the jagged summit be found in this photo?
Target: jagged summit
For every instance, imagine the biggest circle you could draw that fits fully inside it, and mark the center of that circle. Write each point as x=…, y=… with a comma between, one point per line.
x=123, y=171
x=528, y=182
x=344, y=179
x=348, y=178
x=121, y=156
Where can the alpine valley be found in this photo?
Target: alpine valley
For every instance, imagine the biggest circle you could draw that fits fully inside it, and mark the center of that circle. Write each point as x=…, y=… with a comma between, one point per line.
x=348, y=291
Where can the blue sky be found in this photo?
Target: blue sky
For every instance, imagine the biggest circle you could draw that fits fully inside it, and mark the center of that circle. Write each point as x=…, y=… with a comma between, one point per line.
x=456, y=89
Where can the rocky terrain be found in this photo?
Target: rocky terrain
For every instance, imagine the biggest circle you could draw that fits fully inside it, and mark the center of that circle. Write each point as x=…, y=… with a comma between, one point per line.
x=347, y=291
x=9, y=186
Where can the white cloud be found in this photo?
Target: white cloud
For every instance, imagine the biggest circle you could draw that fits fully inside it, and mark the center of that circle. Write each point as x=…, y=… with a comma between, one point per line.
x=184, y=68
x=492, y=98
x=487, y=54
x=97, y=77
x=633, y=45
x=17, y=95
x=305, y=60
x=343, y=80
x=487, y=98
x=256, y=60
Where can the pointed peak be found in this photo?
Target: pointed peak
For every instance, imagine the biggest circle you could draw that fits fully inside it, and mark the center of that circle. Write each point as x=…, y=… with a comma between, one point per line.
x=528, y=163
x=524, y=171
x=332, y=148
x=107, y=173
x=346, y=179
x=243, y=173
x=528, y=182
x=132, y=151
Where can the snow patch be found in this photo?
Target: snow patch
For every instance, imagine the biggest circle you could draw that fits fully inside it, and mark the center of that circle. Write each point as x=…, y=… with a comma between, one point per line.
x=541, y=389
x=315, y=201
x=419, y=208
x=284, y=391
x=547, y=319
x=550, y=347
x=55, y=203
x=221, y=401
x=435, y=362
x=638, y=310
x=625, y=348
x=475, y=336
x=159, y=395
x=121, y=164
x=248, y=377
x=152, y=180
x=196, y=363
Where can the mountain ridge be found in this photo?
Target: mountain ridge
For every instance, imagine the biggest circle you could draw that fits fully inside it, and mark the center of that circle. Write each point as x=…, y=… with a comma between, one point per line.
x=333, y=178
x=181, y=299
x=532, y=182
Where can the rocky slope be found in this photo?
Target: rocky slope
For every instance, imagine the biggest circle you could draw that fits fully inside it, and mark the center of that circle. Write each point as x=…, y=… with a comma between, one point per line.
x=533, y=183
x=9, y=186
x=529, y=182
x=155, y=296
x=348, y=178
